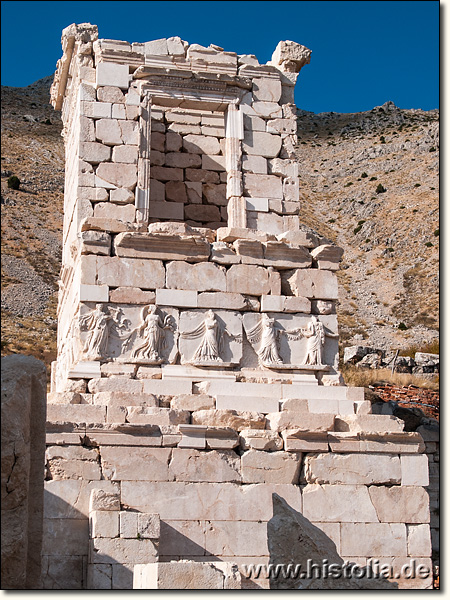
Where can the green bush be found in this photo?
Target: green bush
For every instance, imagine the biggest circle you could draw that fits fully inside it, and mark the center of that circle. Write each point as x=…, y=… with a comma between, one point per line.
x=373, y=178
x=13, y=182
x=380, y=189
x=382, y=139
x=436, y=233
x=348, y=184
x=402, y=327
x=357, y=229
x=428, y=244
x=363, y=175
x=332, y=221
x=390, y=249
x=432, y=149
x=417, y=185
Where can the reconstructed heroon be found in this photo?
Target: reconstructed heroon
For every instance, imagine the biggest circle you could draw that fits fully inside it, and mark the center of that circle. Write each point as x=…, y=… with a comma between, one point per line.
x=197, y=339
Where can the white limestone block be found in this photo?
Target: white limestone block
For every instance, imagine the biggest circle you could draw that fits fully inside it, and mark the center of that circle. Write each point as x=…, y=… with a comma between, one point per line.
x=197, y=144
x=116, y=271
x=93, y=293
x=242, y=389
x=94, y=153
x=128, y=524
x=108, y=131
x=215, y=466
x=282, y=126
x=262, y=144
x=314, y=283
x=300, y=421
x=129, y=131
x=104, y=523
x=266, y=90
x=149, y=415
x=400, y=504
x=112, y=94
x=258, y=439
x=193, y=402
x=258, y=204
x=229, y=418
x=125, y=154
x=338, y=503
x=267, y=109
x=225, y=538
x=415, y=470
x=222, y=300
x=199, y=276
x=297, y=440
x=419, y=540
x=156, y=47
x=122, y=212
x=121, y=195
x=118, y=111
x=167, y=387
x=373, y=539
x=115, y=384
x=104, y=500
x=193, y=436
x=248, y=279
x=119, y=174
x=270, y=467
x=134, y=463
x=122, y=550
x=96, y=110
x=372, y=423
x=185, y=575
x=85, y=370
x=254, y=164
x=350, y=469
x=247, y=403
x=210, y=501
x=112, y=74
x=99, y=577
x=182, y=298
x=213, y=163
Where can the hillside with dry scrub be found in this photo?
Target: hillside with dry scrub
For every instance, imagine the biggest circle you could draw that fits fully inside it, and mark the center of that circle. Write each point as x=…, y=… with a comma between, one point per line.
x=390, y=234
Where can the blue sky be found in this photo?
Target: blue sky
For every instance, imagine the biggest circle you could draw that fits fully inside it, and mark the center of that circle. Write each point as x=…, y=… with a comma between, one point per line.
x=363, y=52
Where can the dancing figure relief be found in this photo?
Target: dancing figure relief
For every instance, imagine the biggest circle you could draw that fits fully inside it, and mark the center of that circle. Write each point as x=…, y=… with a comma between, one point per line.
x=211, y=334
x=267, y=334
x=152, y=331
x=101, y=325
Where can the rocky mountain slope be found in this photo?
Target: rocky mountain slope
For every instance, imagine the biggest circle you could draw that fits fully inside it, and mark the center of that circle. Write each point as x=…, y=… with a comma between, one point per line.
x=390, y=238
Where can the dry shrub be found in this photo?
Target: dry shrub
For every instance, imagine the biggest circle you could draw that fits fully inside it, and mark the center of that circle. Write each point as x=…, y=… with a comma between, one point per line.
x=364, y=377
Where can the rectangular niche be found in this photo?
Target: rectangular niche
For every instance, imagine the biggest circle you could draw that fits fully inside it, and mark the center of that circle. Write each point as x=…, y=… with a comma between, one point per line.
x=188, y=178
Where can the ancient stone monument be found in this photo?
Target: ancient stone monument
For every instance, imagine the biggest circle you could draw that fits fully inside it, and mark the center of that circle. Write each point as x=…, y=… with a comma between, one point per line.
x=197, y=371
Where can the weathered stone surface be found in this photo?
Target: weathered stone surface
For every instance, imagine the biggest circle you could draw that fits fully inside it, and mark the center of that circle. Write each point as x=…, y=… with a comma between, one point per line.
x=107, y=551
x=210, y=501
x=125, y=213
x=339, y=503
x=186, y=575
x=261, y=143
x=95, y=242
x=262, y=186
x=248, y=279
x=314, y=283
x=419, y=540
x=201, y=276
x=221, y=438
x=327, y=256
x=405, y=504
x=373, y=539
x=204, y=213
x=257, y=439
x=296, y=440
x=192, y=402
x=281, y=255
x=73, y=463
x=131, y=295
x=213, y=466
x=104, y=500
x=119, y=174
x=294, y=540
x=94, y=153
x=231, y=301
x=116, y=271
x=300, y=421
x=156, y=416
x=199, y=144
x=353, y=469
x=124, y=463
x=415, y=470
x=23, y=401
x=148, y=526
x=272, y=467
x=299, y=238
x=229, y=418
x=382, y=423
x=104, y=523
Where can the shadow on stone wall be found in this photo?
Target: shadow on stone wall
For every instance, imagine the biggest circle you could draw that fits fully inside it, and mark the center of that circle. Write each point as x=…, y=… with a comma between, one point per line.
x=294, y=540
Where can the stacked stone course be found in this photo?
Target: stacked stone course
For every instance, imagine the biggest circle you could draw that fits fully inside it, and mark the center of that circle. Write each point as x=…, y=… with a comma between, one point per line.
x=197, y=370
